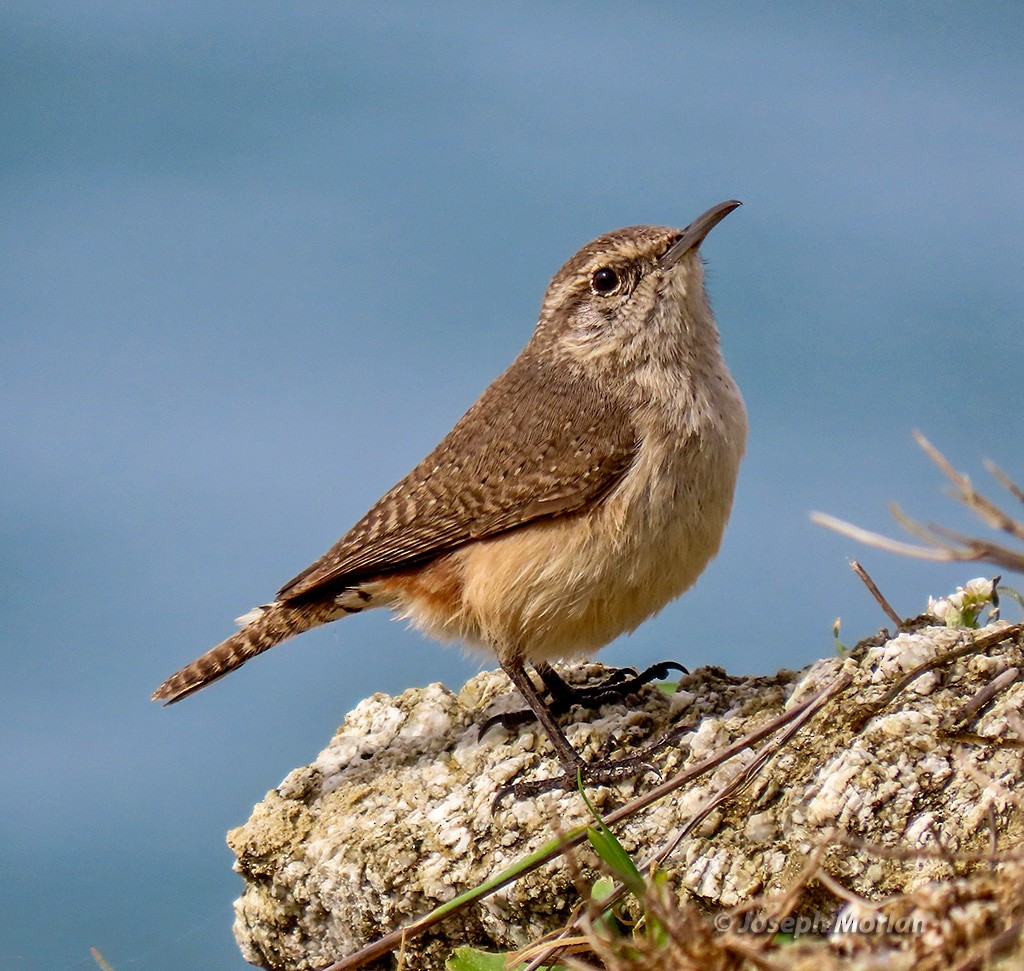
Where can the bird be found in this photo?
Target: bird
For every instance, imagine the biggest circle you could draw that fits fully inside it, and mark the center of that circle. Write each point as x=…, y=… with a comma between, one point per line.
x=587, y=487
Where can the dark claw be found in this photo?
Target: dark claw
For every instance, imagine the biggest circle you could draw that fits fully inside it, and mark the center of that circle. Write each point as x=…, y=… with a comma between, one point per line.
x=659, y=671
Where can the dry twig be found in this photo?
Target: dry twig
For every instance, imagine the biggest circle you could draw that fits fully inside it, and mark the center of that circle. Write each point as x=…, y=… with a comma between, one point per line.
x=942, y=544
x=876, y=593
x=978, y=644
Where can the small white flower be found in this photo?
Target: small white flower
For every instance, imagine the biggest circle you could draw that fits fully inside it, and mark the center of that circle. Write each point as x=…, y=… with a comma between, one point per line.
x=938, y=608
x=980, y=588
x=961, y=609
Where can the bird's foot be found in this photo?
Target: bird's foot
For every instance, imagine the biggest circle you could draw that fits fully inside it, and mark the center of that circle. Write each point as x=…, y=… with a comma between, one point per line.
x=562, y=695
x=621, y=683
x=607, y=772
x=511, y=721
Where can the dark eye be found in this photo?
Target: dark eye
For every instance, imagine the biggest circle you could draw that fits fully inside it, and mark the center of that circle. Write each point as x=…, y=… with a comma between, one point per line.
x=604, y=281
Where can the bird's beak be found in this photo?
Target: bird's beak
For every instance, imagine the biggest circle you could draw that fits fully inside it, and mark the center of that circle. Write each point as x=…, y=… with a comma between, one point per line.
x=696, y=232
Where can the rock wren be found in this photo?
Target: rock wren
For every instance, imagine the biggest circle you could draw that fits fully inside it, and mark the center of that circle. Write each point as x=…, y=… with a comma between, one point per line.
x=587, y=487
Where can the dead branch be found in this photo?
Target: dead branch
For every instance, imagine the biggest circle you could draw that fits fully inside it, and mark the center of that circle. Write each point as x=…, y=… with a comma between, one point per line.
x=943, y=544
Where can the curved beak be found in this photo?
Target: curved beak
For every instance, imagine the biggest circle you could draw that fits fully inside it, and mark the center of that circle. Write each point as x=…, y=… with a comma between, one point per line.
x=696, y=232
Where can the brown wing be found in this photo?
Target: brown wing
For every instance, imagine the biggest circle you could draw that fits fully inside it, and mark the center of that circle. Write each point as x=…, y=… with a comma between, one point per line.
x=537, y=443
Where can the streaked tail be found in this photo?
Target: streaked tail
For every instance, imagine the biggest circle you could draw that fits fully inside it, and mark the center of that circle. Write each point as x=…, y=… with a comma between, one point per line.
x=265, y=627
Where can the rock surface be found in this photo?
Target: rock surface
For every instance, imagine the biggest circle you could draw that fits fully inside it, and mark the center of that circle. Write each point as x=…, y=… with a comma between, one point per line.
x=394, y=817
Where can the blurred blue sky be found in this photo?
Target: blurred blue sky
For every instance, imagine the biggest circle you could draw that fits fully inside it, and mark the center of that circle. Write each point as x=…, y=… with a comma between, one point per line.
x=257, y=258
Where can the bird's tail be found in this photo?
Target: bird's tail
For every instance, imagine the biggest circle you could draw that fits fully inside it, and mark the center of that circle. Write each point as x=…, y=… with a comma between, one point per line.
x=263, y=628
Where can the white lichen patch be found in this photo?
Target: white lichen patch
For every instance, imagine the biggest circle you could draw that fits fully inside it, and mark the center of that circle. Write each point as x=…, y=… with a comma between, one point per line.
x=906, y=652
x=761, y=827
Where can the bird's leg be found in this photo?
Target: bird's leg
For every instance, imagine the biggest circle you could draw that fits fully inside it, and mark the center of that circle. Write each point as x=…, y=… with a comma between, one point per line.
x=569, y=757
x=604, y=772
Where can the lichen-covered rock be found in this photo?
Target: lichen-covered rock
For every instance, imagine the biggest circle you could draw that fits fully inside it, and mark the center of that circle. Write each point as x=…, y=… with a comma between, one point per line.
x=395, y=816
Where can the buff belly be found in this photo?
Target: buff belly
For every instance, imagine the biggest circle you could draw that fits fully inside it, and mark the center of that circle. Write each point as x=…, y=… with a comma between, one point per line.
x=568, y=586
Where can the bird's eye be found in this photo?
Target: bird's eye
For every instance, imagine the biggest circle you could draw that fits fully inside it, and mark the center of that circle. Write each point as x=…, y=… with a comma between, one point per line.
x=604, y=281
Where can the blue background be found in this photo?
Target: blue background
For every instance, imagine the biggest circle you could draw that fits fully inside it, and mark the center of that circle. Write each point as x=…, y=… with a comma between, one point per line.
x=257, y=258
